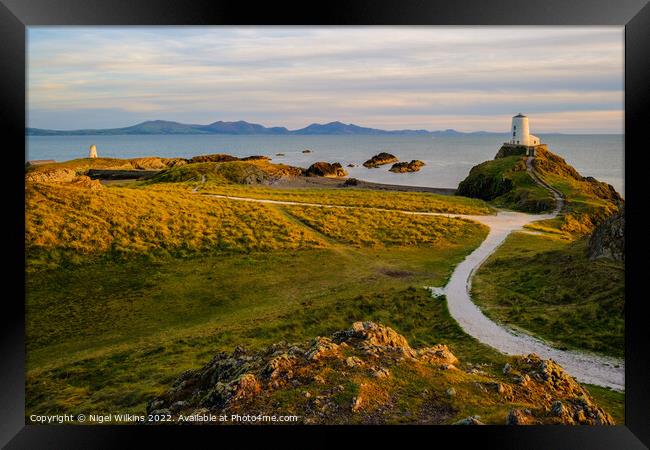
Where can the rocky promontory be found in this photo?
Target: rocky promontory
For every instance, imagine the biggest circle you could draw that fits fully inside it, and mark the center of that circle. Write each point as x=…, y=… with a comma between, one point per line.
x=404, y=167
x=370, y=374
x=380, y=160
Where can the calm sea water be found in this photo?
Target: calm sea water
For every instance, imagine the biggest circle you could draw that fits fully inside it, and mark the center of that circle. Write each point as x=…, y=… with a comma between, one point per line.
x=448, y=159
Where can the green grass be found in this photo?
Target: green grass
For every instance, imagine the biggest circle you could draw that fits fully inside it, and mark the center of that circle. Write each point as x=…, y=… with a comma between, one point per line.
x=115, y=338
x=549, y=287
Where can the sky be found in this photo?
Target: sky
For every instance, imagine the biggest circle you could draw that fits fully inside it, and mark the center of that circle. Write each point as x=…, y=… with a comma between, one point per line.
x=566, y=79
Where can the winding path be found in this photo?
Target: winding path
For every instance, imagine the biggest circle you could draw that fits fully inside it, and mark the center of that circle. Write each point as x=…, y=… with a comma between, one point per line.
x=585, y=367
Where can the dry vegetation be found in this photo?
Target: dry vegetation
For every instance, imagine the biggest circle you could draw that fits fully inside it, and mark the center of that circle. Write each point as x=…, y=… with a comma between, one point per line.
x=64, y=220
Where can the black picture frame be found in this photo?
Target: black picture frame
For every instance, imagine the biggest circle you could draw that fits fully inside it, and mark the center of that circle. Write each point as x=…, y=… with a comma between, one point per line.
x=16, y=15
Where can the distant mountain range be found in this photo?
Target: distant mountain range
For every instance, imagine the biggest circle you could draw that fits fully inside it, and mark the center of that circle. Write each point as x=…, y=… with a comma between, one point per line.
x=242, y=127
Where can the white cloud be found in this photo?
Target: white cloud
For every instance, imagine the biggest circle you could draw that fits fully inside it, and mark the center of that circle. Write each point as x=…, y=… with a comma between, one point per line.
x=285, y=75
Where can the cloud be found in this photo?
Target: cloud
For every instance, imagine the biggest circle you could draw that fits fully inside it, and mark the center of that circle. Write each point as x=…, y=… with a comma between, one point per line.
x=286, y=75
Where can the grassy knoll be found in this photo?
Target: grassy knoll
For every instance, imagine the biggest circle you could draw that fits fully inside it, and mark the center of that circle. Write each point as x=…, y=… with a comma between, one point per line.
x=549, y=287
x=506, y=183
x=65, y=222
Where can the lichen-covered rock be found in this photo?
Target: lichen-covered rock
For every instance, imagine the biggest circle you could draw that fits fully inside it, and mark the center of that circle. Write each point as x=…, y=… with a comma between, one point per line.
x=471, y=420
x=380, y=159
x=520, y=417
x=370, y=374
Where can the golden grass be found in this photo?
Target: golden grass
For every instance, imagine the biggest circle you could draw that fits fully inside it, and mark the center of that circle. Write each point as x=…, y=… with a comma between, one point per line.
x=122, y=221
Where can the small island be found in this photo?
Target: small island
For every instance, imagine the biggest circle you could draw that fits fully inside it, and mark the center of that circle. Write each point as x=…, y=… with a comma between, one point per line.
x=325, y=169
x=380, y=159
x=404, y=167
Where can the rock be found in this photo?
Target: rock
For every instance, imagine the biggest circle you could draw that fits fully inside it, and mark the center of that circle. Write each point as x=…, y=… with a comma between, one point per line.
x=471, y=420
x=351, y=165
x=357, y=403
x=318, y=376
x=376, y=339
x=279, y=154
x=380, y=159
x=321, y=347
x=608, y=238
x=280, y=367
x=353, y=361
x=438, y=354
x=351, y=182
x=404, y=167
x=307, y=151
x=381, y=372
x=54, y=174
x=506, y=369
x=325, y=169
x=522, y=380
x=519, y=417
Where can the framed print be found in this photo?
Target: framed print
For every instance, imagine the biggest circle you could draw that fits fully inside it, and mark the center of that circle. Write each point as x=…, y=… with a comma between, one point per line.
x=421, y=218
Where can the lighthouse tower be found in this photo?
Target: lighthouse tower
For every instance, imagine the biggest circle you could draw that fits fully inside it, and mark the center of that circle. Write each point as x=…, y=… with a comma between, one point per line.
x=92, y=153
x=520, y=133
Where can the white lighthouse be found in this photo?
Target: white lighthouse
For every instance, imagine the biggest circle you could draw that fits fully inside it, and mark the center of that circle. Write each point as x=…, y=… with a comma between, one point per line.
x=92, y=152
x=520, y=133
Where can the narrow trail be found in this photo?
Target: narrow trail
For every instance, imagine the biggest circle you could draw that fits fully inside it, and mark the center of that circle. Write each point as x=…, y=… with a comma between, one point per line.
x=585, y=367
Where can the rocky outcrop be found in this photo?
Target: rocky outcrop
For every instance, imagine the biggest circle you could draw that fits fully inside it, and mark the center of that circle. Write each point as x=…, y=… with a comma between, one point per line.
x=380, y=160
x=218, y=157
x=608, y=239
x=561, y=398
x=55, y=174
x=403, y=167
x=484, y=183
x=255, y=158
x=325, y=169
x=356, y=376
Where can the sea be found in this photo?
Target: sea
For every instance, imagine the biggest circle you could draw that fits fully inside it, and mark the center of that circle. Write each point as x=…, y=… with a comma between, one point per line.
x=448, y=158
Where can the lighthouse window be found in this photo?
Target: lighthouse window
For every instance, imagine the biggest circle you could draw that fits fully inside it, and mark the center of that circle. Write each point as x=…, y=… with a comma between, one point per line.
x=514, y=127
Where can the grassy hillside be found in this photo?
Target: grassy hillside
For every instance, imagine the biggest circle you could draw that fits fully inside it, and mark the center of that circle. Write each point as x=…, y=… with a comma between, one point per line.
x=128, y=286
x=549, y=287
x=65, y=222
x=506, y=183
x=588, y=201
